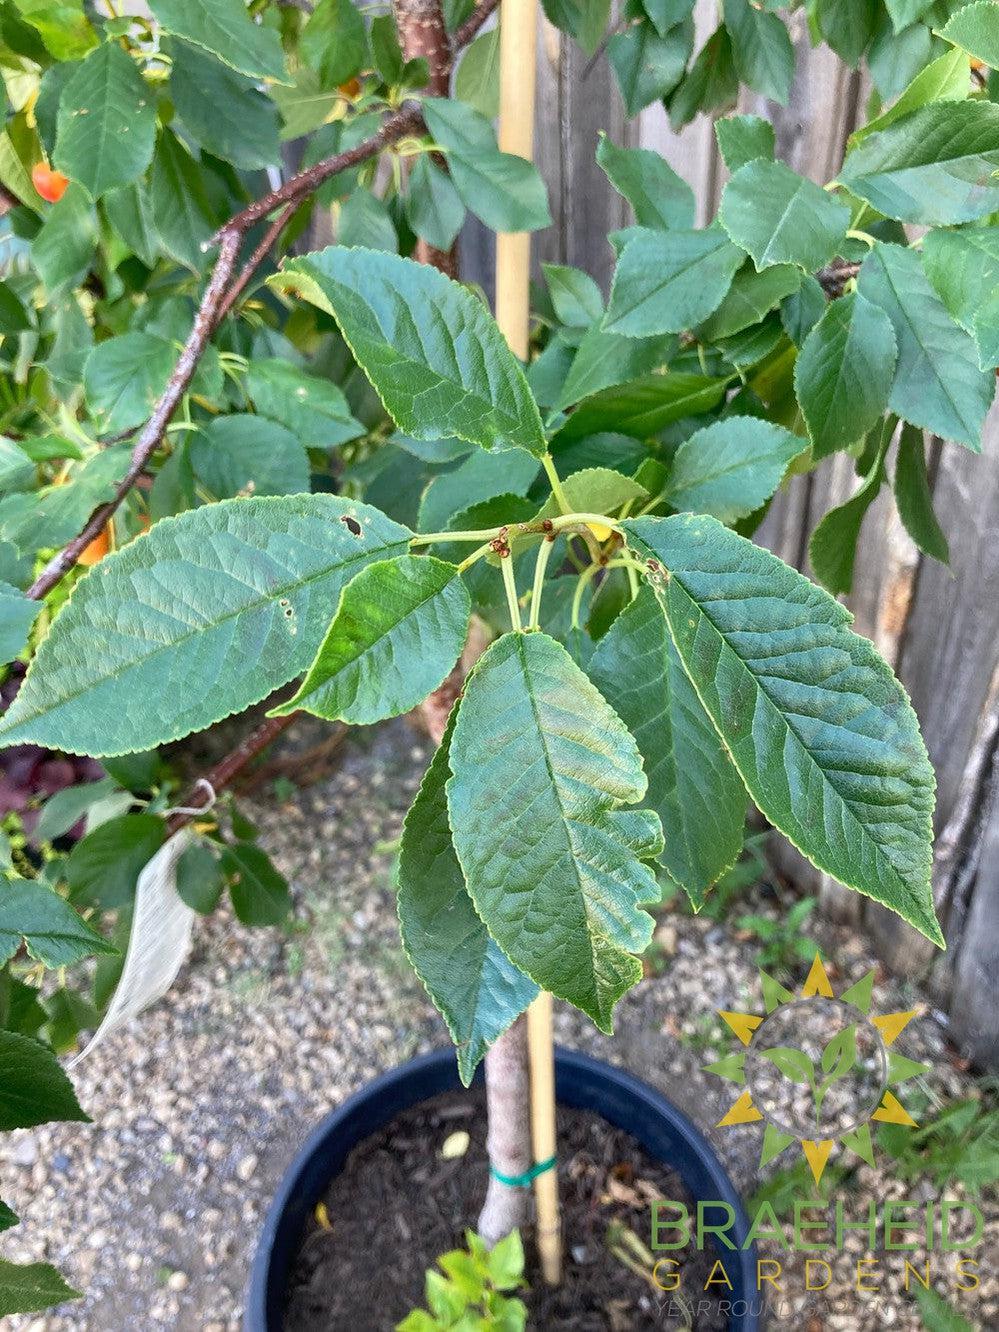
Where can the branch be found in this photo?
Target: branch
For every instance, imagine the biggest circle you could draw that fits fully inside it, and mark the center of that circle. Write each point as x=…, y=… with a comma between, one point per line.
x=216, y=302
x=225, y=772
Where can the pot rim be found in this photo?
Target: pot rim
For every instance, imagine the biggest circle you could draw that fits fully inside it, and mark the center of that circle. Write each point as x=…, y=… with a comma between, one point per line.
x=581, y=1082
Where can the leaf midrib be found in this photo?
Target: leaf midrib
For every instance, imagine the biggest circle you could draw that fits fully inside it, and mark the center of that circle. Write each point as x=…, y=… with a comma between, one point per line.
x=866, y=833
x=294, y=584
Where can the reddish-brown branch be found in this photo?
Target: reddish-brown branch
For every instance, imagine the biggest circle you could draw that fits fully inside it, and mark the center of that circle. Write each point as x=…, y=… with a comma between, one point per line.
x=424, y=36
x=225, y=772
x=258, y=256
x=153, y=431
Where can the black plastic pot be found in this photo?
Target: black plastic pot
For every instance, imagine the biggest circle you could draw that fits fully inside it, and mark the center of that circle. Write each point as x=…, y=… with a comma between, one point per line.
x=580, y=1082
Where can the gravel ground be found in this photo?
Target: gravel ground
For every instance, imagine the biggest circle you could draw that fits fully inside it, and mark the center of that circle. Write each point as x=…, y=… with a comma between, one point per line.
x=199, y=1106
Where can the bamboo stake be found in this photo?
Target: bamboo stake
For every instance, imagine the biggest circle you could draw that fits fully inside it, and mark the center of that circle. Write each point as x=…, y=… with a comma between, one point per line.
x=518, y=42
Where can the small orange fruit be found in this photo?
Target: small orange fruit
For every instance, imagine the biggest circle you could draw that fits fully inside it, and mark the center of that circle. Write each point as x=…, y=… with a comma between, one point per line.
x=351, y=88
x=97, y=549
x=51, y=185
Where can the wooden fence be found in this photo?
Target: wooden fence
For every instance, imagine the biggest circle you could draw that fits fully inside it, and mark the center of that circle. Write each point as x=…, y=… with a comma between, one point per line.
x=939, y=627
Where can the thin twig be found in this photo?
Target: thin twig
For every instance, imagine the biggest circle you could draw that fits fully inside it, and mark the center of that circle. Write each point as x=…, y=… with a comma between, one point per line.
x=258, y=256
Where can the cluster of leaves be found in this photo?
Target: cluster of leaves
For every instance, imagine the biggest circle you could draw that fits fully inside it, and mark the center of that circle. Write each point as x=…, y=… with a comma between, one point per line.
x=672, y=669
x=959, y=1145
x=651, y=47
x=472, y=1295
x=524, y=858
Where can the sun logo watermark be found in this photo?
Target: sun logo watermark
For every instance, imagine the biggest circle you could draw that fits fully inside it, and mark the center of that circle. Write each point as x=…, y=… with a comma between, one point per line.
x=817, y=1069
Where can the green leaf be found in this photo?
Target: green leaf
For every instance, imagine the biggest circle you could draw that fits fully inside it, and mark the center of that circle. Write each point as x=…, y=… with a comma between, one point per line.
x=542, y=770
x=17, y=614
x=398, y=630
x=693, y=786
x=103, y=868
x=124, y=377
x=802, y=310
x=182, y=212
x=669, y=281
x=365, y=219
x=711, y=83
x=643, y=407
x=848, y=26
x=62, y=810
x=904, y=13
x=224, y=110
x=224, y=28
x=107, y=122
x=659, y=197
x=750, y=297
x=33, y=1087
x=64, y=248
x=479, y=477
x=648, y=67
x=199, y=878
x=844, y=374
x=506, y=1262
x=129, y=210
x=248, y=455
x=306, y=104
x=937, y=166
x=476, y=79
x=937, y=381
x=575, y=297
x=314, y=409
x=946, y=79
x=742, y=139
x=13, y=315
x=604, y=359
x=504, y=190
x=61, y=24
x=894, y=59
x=594, y=490
x=477, y=989
x=55, y=935
x=781, y=218
x=54, y=515
x=821, y=732
x=8, y=1217
x=431, y=349
x=585, y=20
x=433, y=208
x=234, y=595
x=761, y=48
x=975, y=29
x=934, y=1311
x=914, y=498
x=833, y=545
x=334, y=41
x=731, y=468
x=963, y=267
x=30, y=1287
x=259, y=893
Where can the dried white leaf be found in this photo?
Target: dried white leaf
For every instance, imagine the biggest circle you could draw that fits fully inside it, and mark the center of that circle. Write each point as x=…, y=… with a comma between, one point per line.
x=158, y=943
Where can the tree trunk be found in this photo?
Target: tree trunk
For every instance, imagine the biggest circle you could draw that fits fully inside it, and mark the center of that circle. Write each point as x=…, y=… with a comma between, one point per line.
x=508, y=1099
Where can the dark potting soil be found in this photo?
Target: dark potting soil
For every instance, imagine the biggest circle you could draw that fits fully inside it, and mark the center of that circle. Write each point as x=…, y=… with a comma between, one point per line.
x=398, y=1205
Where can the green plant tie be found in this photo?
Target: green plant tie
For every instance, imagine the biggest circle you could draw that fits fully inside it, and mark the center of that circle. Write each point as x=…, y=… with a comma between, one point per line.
x=525, y=1180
